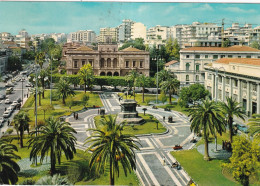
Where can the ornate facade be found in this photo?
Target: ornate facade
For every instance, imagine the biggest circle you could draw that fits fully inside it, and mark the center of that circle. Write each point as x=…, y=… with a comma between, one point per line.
x=107, y=60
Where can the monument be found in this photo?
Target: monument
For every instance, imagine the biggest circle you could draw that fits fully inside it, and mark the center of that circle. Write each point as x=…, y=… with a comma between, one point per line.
x=128, y=112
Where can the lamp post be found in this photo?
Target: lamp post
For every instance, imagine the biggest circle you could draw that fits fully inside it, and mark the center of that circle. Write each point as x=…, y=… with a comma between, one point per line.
x=156, y=58
x=22, y=80
x=51, y=81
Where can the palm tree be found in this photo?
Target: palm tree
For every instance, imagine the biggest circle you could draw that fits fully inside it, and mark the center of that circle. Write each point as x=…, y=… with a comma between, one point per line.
x=64, y=89
x=163, y=75
x=254, y=124
x=86, y=76
x=43, y=79
x=143, y=81
x=33, y=92
x=231, y=109
x=39, y=58
x=21, y=123
x=208, y=118
x=110, y=147
x=131, y=78
x=8, y=166
x=171, y=86
x=55, y=137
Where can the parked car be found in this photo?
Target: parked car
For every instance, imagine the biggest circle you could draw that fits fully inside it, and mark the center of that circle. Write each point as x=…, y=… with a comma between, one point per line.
x=28, y=85
x=2, y=120
x=10, y=109
x=2, y=96
x=6, y=114
x=14, y=104
x=9, y=85
x=7, y=101
x=19, y=100
x=242, y=128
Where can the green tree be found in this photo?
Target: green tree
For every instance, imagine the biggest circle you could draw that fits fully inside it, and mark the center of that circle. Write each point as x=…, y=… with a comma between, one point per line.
x=164, y=75
x=85, y=99
x=185, y=97
x=110, y=147
x=53, y=180
x=64, y=90
x=143, y=81
x=44, y=77
x=86, y=76
x=176, y=49
x=137, y=43
x=39, y=58
x=255, y=44
x=163, y=97
x=244, y=161
x=53, y=139
x=14, y=63
x=8, y=167
x=21, y=123
x=226, y=43
x=232, y=108
x=171, y=86
x=207, y=117
x=46, y=108
x=131, y=78
x=254, y=124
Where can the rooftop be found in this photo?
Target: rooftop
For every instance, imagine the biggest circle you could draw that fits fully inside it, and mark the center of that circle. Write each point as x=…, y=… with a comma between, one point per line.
x=131, y=49
x=84, y=48
x=235, y=48
x=171, y=62
x=247, y=61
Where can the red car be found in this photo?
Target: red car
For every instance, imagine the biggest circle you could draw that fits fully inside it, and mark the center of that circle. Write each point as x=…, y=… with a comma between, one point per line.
x=177, y=147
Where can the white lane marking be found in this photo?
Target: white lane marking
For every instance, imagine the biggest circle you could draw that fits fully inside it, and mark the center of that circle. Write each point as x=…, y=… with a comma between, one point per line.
x=187, y=139
x=150, y=145
x=153, y=140
x=140, y=178
x=148, y=170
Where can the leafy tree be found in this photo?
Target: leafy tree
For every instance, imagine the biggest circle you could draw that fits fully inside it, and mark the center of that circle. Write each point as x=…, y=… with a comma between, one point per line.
x=163, y=97
x=254, y=124
x=255, y=44
x=56, y=138
x=232, y=108
x=208, y=118
x=85, y=99
x=143, y=81
x=110, y=147
x=131, y=78
x=21, y=123
x=29, y=55
x=14, y=63
x=86, y=76
x=137, y=43
x=226, y=43
x=176, y=49
x=44, y=78
x=39, y=58
x=171, y=86
x=64, y=89
x=8, y=167
x=244, y=161
x=185, y=97
x=46, y=108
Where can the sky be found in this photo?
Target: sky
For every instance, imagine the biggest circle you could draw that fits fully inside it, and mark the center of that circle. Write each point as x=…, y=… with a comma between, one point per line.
x=66, y=17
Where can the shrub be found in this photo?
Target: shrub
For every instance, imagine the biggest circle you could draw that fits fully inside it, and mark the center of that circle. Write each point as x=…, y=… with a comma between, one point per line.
x=9, y=131
x=28, y=182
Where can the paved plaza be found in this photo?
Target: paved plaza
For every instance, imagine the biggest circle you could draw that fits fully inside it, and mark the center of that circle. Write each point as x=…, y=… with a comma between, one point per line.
x=150, y=167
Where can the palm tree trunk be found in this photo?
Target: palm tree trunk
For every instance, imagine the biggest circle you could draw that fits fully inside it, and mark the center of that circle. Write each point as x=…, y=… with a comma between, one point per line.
x=134, y=92
x=21, y=139
x=39, y=99
x=85, y=84
x=206, y=154
x=170, y=97
x=143, y=94
x=43, y=89
x=63, y=99
x=52, y=171
x=230, y=123
x=112, y=179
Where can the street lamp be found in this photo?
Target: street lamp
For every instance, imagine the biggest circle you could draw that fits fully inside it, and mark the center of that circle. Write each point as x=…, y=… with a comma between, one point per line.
x=22, y=80
x=156, y=58
x=51, y=80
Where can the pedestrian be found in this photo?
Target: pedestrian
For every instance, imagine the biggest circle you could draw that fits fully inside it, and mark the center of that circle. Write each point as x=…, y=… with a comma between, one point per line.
x=74, y=115
x=77, y=116
x=5, y=108
x=98, y=111
x=163, y=160
x=163, y=118
x=223, y=144
x=8, y=123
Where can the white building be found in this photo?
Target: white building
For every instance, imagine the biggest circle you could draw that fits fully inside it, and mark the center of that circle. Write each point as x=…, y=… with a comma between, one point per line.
x=138, y=30
x=238, y=78
x=156, y=35
x=124, y=30
x=58, y=37
x=3, y=60
x=6, y=36
x=193, y=60
x=107, y=35
x=83, y=36
x=172, y=66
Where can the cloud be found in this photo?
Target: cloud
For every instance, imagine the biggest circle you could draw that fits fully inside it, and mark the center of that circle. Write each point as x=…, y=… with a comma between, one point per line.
x=204, y=7
x=239, y=10
x=168, y=10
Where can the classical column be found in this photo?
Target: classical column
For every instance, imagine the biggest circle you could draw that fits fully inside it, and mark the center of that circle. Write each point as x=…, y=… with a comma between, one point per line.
x=231, y=87
x=223, y=88
x=239, y=90
x=216, y=87
x=213, y=87
x=248, y=97
x=258, y=98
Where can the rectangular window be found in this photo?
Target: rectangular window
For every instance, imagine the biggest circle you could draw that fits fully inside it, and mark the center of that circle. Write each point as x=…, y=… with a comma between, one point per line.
x=238, y=56
x=75, y=64
x=90, y=62
x=227, y=81
x=236, y=83
x=197, y=56
x=206, y=56
x=222, y=56
x=187, y=56
x=127, y=64
x=215, y=56
x=134, y=63
x=244, y=85
x=83, y=63
x=197, y=78
x=141, y=64
x=209, y=76
x=248, y=56
x=254, y=87
x=197, y=67
x=230, y=56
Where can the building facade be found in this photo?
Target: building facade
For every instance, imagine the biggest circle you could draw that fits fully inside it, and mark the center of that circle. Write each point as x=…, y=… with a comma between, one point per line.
x=238, y=78
x=107, y=35
x=124, y=30
x=107, y=60
x=193, y=60
x=83, y=36
x=138, y=30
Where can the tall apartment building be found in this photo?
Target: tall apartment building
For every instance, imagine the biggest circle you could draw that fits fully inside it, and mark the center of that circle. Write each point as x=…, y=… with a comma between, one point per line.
x=3, y=60
x=157, y=35
x=193, y=60
x=58, y=37
x=138, y=30
x=6, y=36
x=124, y=30
x=22, y=39
x=83, y=36
x=238, y=78
x=107, y=35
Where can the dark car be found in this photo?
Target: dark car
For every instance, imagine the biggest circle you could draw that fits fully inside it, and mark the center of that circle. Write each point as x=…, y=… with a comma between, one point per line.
x=19, y=100
x=2, y=96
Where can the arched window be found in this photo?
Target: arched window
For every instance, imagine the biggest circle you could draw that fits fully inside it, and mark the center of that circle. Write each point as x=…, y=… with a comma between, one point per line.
x=115, y=63
x=108, y=62
x=187, y=78
x=109, y=74
x=187, y=66
x=102, y=63
x=197, y=77
x=197, y=67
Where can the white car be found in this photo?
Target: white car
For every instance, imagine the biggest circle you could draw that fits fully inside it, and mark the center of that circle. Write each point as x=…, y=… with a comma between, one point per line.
x=10, y=109
x=15, y=103
x=2, y=120
x=7, y=101
x=6, y=114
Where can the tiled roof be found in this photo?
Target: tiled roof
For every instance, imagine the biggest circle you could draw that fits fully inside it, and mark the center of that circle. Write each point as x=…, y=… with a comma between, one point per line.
x=235, y=48
x=84, y=48
x=247, y=61
x=170, y=63
x=132, y=49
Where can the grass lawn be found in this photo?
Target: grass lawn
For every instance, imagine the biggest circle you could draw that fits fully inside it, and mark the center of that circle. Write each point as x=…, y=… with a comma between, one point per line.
x=59, y=108
x=77, y=170
x=148, y=127
x=201, y=171
x=176, y=107
x=147, y=98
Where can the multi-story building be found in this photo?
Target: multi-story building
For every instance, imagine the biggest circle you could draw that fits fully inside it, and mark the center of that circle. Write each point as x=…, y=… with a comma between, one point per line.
x=107, y=35
x=3, y=60
x=83, y=36
x=22, y=39
x=58, y=37
x=156, y=35
x=5, y=36
x=138, y=30
x=124, y=30
x=193, y=60
x=238, y=78
x=107, y=60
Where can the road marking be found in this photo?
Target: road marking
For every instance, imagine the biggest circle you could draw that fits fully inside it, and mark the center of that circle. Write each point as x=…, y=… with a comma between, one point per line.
x=148, y=170
x=150, y=145
x=140, y=178
x=187, y=139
